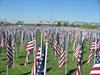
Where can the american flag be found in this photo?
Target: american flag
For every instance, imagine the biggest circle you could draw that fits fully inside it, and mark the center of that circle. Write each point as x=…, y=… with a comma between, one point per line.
x=77, y=51
x=57, y=48
x=13, y=43
x=62, y=59
x=98, y=45
x=36, y=61
x=60, y=53
x=98, y=36
x=79, y=59
x=38, y=55
x=2, y=41
x=9, y=52
x=57, y=38
x=40, y=67
x=92, y=48
x=29, y=49
x=96, y=67
x=30, y=45
x=78, y=71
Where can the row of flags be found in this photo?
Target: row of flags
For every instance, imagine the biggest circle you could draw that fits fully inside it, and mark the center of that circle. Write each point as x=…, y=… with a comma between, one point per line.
x=58, y=40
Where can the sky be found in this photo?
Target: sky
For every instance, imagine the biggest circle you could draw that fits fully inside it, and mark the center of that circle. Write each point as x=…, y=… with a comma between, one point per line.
x=64, y=10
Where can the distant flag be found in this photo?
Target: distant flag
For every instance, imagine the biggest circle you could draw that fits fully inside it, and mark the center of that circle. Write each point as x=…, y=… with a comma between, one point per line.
x=51, y=37
x=3, y=42
x=98, y=41
x=96, y=67
x=13, y=43
x=98, y=44
x=9, y=52
x=22, y=37
x=57, y=38
x=64, y=43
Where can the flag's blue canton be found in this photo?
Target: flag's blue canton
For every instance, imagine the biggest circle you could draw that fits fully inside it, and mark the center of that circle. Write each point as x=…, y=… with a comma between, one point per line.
x=97, y=59
x=40, y=67
x=57, y=38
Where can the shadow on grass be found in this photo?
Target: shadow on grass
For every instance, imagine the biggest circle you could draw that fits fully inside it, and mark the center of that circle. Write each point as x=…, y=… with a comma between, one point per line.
x=84, y=62
x=70, y=52
x=30, y=62
x=21, y=56
x=22, y=64
x=84, y=52
x=28, y=73
x=48, y=69
x=71, y=72
x=2, y=71
x=47, y=60
x=4, y=59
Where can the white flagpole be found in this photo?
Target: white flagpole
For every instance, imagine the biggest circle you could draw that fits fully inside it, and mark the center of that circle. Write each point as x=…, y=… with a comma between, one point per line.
x=67, y=42
x=66, y=59
x=41, y=37
x=7, y=70
x=16, y=54
x=13, y=59
x=95, y=48
x=45, y=58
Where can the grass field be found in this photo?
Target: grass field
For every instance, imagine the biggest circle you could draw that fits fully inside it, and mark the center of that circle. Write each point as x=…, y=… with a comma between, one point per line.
x=52, y=63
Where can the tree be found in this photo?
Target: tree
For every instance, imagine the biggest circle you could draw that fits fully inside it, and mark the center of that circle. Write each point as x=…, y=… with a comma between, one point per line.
x=19, y=23
x=66, y=24
x=38, y=24
x=1, y=23
x=59, y=24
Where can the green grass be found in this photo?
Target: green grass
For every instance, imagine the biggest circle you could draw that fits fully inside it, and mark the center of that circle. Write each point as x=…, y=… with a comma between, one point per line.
x=52, y=61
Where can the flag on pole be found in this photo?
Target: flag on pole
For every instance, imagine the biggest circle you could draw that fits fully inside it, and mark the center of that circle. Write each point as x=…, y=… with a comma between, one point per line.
x=78, y=70
x=9, y=52
x=92, y=49
x=96, y=67
x=56, y=48
x=13, y=43
x=79, y=57
x=30, y=45
x=36, y=61
x=62, y=59
x=60, y=53
x=77, y=51
x=29, y=49
x=40, y=66
x=57, y=38
x=38, y=55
